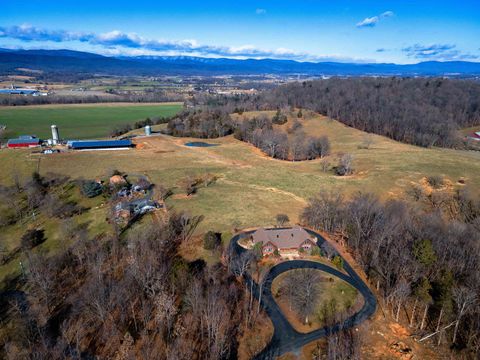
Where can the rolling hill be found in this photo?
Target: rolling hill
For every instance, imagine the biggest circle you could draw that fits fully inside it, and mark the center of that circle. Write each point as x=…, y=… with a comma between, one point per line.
x=63, y=61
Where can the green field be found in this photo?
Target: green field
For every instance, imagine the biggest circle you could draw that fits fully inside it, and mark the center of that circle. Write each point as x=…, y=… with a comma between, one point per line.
x=78, y=121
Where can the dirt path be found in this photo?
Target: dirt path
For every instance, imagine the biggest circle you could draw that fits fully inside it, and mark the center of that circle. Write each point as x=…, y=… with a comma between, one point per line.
x=266, y=188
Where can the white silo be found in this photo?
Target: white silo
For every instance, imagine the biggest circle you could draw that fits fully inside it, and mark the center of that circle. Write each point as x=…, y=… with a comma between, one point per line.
x=148, y=130
x=55, y=136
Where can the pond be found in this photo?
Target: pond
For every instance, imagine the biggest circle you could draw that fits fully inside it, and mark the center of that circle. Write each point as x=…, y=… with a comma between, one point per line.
x=199, y=144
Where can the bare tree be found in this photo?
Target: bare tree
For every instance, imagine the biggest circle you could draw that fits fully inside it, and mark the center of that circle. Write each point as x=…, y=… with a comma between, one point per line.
x=303, y=291
x=464, y=298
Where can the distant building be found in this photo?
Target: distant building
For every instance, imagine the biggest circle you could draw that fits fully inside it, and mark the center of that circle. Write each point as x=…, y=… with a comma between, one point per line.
x=283, y=240
x=99, y=144
x=24, y=141
x=15, y=91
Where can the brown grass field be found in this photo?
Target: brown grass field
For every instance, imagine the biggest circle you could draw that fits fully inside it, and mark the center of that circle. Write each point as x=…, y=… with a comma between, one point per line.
x=251, y=187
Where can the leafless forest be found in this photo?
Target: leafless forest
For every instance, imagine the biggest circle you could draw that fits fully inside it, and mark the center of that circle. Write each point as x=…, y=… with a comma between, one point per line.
x=422, y=255
x=424, y=112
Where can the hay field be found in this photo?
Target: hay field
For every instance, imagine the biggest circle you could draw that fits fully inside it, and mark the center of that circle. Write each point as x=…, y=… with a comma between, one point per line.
x=79, y=121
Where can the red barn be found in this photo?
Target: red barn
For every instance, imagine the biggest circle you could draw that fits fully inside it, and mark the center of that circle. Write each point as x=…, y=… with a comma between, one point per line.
x=23, y=142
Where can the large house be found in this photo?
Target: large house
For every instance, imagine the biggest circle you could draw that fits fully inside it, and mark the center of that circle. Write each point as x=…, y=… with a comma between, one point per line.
x=283, y=240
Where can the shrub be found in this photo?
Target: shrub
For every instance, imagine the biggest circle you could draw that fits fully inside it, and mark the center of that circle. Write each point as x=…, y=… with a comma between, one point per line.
x=435, y=181
x=91, y=188
x=257, y=250
x=211, y=240
x=279, y=118
x=338, y=262
x=316, y=251
x=32, y=238
x=282, y=219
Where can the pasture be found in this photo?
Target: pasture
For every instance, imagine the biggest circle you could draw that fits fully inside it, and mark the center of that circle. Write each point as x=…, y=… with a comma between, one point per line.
x=79, y=121
x=252, y=188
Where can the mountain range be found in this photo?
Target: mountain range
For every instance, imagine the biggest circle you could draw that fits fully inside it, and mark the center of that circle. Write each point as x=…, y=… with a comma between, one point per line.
x=69, y=61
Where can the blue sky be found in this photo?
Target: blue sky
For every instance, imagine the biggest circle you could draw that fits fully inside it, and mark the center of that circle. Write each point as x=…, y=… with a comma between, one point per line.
x=402, y=31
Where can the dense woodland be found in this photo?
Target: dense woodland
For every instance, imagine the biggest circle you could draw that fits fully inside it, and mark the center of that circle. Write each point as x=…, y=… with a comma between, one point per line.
x=420, y=111
x=423, y=257
x=100, y=298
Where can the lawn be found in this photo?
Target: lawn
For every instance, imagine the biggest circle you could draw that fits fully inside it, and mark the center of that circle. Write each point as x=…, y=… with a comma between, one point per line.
x=331, y=291
x=78, y=121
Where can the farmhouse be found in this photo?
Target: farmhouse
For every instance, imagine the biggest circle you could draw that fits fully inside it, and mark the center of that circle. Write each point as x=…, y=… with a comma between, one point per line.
x=286, y=240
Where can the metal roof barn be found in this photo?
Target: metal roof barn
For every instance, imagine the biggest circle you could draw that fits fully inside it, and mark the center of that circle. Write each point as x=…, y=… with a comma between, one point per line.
x=15, y=143
x=99, y=144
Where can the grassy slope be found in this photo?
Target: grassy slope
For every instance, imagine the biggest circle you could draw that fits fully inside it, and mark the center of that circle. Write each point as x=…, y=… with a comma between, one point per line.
x=252, y=188
x=78, y=121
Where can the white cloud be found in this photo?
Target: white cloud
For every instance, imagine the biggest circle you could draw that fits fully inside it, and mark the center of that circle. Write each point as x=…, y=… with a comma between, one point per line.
x=117, y=42
x=260, y=11
x=439, y=52
x=372, y=21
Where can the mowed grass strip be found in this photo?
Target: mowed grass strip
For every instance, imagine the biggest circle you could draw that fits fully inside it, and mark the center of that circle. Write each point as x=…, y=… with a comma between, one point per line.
x=79, y=121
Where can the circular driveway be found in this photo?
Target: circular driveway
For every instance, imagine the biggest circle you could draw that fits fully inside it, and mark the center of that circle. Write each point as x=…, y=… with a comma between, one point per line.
x=285, y=338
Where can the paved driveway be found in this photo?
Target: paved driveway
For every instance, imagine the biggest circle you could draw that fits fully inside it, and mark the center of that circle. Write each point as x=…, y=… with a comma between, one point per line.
x=285, y=337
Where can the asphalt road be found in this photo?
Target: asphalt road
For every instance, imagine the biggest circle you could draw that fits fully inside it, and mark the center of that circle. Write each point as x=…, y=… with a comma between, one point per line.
x=285, y=337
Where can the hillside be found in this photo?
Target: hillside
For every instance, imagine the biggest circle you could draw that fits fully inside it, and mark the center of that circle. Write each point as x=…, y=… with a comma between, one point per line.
x=253, y=187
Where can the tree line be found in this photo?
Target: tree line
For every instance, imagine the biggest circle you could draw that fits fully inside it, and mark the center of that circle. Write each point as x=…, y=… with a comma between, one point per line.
x=146, y=97
x=422, y=256
x=258, y=131
x=420, y=111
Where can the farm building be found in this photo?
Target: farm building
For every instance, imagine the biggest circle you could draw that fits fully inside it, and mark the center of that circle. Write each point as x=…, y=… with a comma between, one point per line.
x=99, y=144
x=24, y=141
x=15, y=91
x=289, y=240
